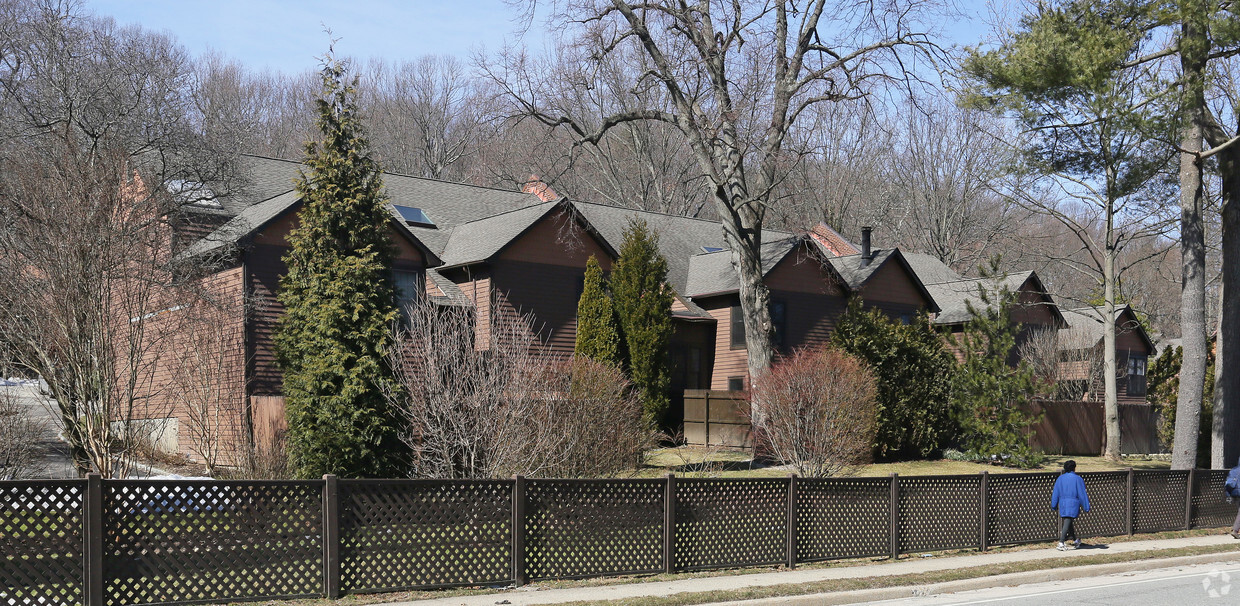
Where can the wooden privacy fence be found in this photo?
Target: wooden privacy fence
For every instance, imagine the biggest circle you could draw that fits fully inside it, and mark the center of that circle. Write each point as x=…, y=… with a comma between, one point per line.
x=115, y=542
x=721, y=418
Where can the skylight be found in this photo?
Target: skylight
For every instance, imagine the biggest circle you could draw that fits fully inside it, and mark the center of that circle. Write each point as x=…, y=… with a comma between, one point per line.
x=711, y=249
x=414, y=216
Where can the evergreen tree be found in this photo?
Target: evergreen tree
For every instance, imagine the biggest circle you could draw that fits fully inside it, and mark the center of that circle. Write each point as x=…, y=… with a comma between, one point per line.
x=339, y=302
x=914, y=372
x=1163, y=392
x=598, y=338
x=988, y=391
x=644, y=306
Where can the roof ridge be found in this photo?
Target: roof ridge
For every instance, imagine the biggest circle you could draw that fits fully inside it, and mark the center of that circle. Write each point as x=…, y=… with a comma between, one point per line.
x=406, y=176
x=1005, y=277
x=509, y=211
x=672, y=215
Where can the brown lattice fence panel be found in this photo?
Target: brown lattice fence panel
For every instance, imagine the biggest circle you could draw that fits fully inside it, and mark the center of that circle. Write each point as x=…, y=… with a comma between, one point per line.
x=724, y=523
x=406, y=534
x=1018, y=508
x=843, y=518
x=41, y=542
x=1210, y=508
x=939, y=512
x=585, y=528
x=1108, y=504
x=191, y=541
x=1158, y=500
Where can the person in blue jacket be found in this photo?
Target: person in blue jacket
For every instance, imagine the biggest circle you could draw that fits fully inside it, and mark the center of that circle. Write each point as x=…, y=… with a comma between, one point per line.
x=1232, y=489
x=1069, y=499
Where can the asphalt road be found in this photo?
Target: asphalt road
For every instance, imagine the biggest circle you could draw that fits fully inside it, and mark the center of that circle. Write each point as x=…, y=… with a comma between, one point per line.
x=1181, y=586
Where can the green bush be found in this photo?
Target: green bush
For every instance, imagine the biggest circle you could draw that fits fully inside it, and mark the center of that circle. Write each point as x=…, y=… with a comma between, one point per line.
x=914, y=371
x=644, y=306
x=598, y=337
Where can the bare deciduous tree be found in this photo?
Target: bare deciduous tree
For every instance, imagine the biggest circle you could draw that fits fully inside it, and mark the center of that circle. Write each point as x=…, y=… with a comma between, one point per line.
x=507, y=407
x=734, y=79
x=95, y=135
x=206, y=384
x=20, y=437
x=1068, y=362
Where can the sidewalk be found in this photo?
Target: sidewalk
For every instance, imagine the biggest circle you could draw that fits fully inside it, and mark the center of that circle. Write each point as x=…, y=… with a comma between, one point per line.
x=530, y=595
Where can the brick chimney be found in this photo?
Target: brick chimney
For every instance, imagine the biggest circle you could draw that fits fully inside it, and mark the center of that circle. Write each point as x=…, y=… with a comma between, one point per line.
x=536, y=186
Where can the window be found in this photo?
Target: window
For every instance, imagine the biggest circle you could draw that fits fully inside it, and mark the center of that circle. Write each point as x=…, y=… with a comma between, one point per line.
x=779, y=320
x=408, y=288
x=738, y=328
x=414, y=216
x=1136, y=375
x=736, y=383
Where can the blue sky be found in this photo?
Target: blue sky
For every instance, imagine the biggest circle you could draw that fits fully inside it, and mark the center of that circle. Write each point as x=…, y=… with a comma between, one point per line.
x=288, y=36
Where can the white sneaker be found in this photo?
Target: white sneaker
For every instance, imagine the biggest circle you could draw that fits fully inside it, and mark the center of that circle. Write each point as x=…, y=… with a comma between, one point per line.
x=1077, y=544
x=1061, y=547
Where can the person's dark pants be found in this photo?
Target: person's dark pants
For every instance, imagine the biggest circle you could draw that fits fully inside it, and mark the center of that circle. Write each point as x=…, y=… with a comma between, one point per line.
x=1235, y=526
x=1067, y=528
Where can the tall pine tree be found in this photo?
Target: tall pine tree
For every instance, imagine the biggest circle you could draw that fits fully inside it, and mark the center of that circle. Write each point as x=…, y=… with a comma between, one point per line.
x=339, y=302
x=644, y=305
x=598, y=338
x=988, y=391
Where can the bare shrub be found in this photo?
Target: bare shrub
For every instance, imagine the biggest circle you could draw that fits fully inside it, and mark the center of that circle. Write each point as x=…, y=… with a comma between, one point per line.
x=818, y=412
x=205, y=382
x=505, y=406
x=1068, y=363
x=20, y=434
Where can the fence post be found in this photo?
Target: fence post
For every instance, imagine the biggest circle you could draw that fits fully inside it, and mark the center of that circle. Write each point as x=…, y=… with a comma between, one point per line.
x=92, y=537
x=895, y=516
x=518, y=531
x=669, y=524
x=791, y=534
x=1188, y=498
x=1128, y=499
x=983, y=511
x=331, y=536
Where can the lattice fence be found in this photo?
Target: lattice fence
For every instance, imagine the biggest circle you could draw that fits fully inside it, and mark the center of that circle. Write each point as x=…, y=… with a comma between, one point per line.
x=406, y=534
x=585, y=528
x=41, y=542
x=847, y=518
x=1018, y=508
x=1158, y=500
x=1210, y=507
x=188, y=541
x=176, y=542
x=939, y=512
x=1108, y=504
x=730, y=523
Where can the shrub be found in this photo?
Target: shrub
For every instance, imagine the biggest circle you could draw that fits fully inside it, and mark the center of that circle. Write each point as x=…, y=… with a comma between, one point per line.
x=914, y=372
x=644, y=307
x=816, y=411
x=598, y=336
x=507, y=407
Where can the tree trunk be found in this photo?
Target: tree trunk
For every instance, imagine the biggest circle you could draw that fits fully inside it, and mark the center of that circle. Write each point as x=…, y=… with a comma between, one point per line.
x=1111, y=372
x=1225, y=447
x=1192, y=238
